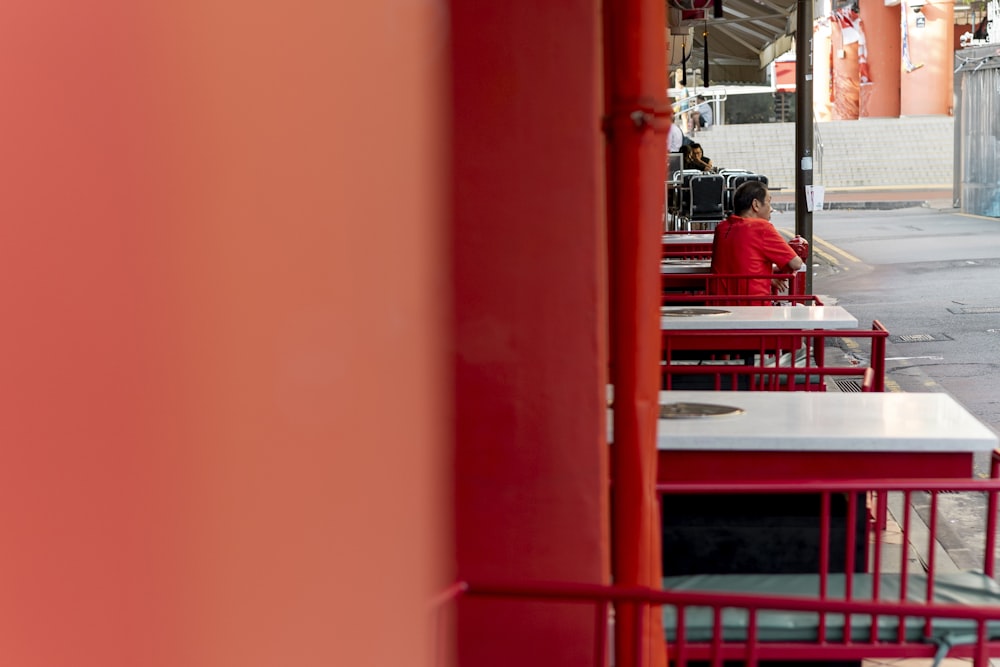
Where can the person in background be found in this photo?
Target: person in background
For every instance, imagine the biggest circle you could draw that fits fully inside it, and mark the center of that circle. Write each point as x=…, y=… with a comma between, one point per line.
x=695, y=159
x=686, y=152
x=982, y=29
x=693, y=120
x=705, y=117
x=675, y=138
x=747, y=243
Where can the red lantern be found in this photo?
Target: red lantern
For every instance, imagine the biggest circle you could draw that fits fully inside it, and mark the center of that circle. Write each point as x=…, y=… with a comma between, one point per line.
x=691, y=10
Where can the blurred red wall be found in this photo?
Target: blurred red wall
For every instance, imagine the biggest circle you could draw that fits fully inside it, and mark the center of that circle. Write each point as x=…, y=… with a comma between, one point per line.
x=225, y=403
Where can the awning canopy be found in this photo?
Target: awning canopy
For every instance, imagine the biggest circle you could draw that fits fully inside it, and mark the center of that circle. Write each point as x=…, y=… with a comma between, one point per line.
x=741, y=44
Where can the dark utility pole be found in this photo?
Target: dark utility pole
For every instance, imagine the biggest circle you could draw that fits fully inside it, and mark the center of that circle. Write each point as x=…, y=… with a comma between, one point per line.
x=804, y=126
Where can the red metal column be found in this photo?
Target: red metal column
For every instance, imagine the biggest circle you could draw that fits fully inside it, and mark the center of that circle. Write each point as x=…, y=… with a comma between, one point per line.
x=637, y=113
x=528, y=277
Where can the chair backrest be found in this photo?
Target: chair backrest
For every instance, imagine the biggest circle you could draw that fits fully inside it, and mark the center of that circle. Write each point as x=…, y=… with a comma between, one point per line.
x=707, y=196
x=675, y=164
x=682, y=188
x=735, y=180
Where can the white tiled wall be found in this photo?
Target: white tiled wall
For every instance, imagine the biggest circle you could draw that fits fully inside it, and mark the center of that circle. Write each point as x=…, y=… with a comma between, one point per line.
x=874, y=152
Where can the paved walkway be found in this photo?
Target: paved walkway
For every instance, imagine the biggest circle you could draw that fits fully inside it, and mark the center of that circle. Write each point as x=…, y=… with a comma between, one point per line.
x=872, y=197
x=892, y=547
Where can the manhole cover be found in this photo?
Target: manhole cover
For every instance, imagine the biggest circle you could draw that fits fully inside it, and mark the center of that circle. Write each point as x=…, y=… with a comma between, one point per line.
x=697, y=410
x=692, y=312
x=975, y=310
x=919, y=338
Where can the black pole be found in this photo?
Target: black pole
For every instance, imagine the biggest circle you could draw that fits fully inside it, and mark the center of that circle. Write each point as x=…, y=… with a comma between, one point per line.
x=684, y=61
x=804, y=126
x=704, y=65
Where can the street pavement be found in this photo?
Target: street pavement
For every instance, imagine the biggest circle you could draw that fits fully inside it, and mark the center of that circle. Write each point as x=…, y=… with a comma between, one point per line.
x=963, y=543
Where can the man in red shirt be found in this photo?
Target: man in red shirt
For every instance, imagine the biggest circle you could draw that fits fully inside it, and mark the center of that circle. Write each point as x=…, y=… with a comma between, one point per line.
x=747, y=242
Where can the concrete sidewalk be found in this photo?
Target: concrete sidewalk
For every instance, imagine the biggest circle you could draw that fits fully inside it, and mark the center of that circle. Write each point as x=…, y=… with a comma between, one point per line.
x=873, y=198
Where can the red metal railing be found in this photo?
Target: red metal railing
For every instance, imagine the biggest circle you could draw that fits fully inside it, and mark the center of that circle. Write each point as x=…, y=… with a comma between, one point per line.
x=686, y=251
x=751, y=650
x=882, y=630
x=789, y=360
x=708, y=284
x=712, y=300
x=876, y=571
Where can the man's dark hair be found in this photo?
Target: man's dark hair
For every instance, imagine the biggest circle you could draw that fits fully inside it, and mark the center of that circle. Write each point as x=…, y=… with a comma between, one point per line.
x=745, y=195
x=701, y=98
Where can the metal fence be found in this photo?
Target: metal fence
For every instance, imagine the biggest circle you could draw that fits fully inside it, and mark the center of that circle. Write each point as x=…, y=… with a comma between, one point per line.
x=977, y=132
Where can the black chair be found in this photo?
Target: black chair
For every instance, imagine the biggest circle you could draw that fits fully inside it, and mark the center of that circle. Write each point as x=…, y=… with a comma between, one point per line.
x=734, y=181
x=679, y=197
x=675, y=165
x=706, y=198
x=727, y=197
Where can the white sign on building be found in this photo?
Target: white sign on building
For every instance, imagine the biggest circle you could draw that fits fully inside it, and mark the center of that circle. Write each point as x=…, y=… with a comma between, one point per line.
x=992, y=25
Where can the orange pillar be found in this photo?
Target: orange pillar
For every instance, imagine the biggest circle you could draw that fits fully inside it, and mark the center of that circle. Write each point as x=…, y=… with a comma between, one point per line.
x=822, y=72
x=926, y=80
x=880, y=97
x=845, y=75
x=530, y=322
x=224, y=415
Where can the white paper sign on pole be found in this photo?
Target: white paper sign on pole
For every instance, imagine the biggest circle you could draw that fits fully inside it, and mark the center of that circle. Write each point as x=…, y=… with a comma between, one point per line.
x=815, y=196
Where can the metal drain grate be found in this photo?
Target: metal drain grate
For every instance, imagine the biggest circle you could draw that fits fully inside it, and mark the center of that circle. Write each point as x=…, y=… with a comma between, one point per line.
x=848, y=385
x=919, y=338
x=975, y=310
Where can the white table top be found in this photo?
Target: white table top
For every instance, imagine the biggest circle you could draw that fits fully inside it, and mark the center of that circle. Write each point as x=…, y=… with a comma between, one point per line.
x=760, y=317
x=820, y=421
x=673, y=265
x=688, y=238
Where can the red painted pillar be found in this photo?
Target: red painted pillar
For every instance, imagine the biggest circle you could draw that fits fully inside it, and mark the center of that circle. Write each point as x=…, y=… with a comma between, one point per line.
x=880, y=97
x=638, y=110
x=926, y=80
x=530, y=322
